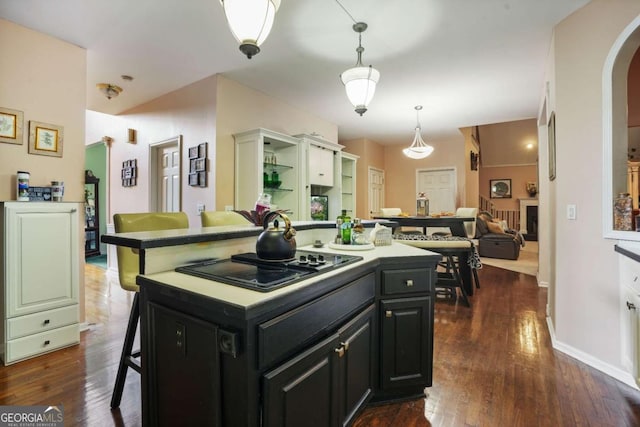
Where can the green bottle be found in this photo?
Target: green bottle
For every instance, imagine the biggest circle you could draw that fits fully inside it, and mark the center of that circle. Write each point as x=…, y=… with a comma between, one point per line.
x=345, y=228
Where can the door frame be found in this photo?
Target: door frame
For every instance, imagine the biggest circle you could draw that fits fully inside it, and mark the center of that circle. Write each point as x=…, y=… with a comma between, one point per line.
x=155, y=149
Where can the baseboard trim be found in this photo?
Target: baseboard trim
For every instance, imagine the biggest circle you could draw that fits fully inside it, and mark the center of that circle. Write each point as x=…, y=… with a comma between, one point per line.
x=612, y=371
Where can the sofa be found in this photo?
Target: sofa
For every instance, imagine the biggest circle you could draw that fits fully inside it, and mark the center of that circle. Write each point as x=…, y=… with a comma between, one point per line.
x=496, y=239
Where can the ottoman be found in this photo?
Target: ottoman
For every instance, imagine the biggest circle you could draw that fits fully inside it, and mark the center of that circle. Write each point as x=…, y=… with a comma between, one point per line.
x=504, y=246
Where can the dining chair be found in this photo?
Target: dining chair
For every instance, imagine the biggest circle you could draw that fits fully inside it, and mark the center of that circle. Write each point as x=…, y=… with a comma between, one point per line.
x=128, y=270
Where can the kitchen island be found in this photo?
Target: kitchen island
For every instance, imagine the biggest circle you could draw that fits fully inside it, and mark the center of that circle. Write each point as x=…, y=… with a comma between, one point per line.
x=311, y=353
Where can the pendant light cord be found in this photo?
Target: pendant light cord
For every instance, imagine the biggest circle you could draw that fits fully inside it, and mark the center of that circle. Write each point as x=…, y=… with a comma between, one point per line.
x=347, y=12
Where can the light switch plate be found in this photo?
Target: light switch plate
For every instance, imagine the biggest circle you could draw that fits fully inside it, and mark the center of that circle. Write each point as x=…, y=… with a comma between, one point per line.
x=571, y=211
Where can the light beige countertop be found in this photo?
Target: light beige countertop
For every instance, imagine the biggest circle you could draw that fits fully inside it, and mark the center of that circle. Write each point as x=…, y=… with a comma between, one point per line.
x=246, y=298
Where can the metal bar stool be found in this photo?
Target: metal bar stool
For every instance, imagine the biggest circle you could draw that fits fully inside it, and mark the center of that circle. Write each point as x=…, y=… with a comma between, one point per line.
x=128, y=269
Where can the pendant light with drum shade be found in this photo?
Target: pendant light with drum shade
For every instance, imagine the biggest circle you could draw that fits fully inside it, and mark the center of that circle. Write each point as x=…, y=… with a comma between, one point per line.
x=250, y=22
x=360, y=81
x=418, y=149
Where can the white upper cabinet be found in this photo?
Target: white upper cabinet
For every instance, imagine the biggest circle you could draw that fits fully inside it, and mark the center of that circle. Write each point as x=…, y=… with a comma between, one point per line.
x=320, y=166
x=269, y=162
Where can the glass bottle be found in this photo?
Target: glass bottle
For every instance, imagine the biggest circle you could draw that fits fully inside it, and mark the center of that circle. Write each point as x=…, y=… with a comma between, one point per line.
x=346, y=228
x=357, y=232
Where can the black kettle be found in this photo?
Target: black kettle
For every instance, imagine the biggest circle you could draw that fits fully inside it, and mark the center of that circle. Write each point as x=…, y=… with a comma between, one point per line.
x=274, y=243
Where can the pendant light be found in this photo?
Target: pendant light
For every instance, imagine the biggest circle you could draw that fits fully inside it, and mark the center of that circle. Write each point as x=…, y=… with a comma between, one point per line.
x=250, y=22
x=418, y=149
x=360, y=81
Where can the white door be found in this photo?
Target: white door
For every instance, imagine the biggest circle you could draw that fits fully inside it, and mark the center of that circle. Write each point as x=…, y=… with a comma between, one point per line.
x=376, y=191
x=440, y=187
x=166, y=184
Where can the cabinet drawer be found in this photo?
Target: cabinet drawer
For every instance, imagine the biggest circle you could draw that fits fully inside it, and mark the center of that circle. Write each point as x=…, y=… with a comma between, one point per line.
x=40, y=322
x=406, y=281
x=281, y=336
x=44, y=342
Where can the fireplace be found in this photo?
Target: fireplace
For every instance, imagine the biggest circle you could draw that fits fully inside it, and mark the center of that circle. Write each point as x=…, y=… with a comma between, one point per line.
x=529, y=219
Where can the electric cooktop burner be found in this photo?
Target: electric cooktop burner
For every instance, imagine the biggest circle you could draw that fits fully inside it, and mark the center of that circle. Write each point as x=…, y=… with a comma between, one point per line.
x=248, y=271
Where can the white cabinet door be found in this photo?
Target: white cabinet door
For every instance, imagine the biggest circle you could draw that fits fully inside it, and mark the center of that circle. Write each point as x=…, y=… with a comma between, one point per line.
x=320, y=166
x=41, y=256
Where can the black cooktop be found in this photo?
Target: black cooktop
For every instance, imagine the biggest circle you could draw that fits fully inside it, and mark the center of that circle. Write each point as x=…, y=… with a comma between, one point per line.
x=248, y=271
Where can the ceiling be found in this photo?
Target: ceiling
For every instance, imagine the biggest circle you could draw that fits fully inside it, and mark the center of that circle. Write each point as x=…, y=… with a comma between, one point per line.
x=468, y=62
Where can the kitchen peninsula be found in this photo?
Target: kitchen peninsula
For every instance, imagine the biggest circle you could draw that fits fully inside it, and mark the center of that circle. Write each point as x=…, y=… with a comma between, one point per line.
x=311, y=353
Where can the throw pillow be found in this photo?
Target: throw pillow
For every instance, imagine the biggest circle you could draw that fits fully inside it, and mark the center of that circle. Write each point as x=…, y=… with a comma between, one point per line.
x=495, y=228
x=481, y=227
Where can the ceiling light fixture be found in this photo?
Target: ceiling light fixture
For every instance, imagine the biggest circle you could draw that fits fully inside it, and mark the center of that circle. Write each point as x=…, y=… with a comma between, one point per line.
x=360, y=81
x=250, y=22
x=418, y=149
x=109, y=90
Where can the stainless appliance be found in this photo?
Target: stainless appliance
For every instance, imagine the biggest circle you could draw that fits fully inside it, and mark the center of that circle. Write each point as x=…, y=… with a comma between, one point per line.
x=249, y=271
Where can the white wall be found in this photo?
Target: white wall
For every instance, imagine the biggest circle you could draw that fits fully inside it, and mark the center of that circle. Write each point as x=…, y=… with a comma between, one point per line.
x=190, y=112
x=583, y=267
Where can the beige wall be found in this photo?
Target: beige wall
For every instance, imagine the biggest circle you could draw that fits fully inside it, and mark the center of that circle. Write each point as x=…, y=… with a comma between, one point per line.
x=584, y=274
x=519, y=176
x=505, y=143
x=45, y=79
x=371, y=156
x=400, y=171
x=240, y=109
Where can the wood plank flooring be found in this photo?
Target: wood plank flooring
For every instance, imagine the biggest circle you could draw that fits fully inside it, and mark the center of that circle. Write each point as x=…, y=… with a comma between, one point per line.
x=494, y=366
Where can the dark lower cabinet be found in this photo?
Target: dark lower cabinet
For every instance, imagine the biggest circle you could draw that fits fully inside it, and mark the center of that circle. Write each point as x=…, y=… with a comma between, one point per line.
x=184, y=369
x=406, y=342
x=325, y=385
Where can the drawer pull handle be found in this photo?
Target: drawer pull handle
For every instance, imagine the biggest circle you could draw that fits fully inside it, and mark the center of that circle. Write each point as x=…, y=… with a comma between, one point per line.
x=47, y=342
x=46, y=322
x=409, y=283
x=388, y=313
x=340, y=351
x=631, y=306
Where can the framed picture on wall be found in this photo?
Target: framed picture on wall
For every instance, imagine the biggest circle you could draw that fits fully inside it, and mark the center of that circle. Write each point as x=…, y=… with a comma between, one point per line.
x=500, y=188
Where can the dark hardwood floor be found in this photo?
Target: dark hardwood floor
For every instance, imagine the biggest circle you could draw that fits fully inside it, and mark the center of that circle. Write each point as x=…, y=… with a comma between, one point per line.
x=494, y=366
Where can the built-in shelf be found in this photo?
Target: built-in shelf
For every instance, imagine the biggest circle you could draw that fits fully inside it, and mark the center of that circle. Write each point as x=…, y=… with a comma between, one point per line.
x=276, y=167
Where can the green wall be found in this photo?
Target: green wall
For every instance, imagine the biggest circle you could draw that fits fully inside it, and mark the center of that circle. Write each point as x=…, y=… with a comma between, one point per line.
x=96, y=161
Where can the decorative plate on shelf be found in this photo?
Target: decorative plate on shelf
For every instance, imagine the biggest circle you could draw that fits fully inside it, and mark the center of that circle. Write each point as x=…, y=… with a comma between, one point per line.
x=342, y=247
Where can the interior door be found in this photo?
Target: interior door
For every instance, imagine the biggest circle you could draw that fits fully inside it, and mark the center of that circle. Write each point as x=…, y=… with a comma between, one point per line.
x=440, y=187
x=165, y=161
x=169, y=171
x=376, y=191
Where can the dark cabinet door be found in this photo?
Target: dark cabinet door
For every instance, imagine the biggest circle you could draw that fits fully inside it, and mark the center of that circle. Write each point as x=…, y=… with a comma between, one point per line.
x=301, y=391
x=354, y=365
x=183, y=380
x=325, y=385
x=406, y=342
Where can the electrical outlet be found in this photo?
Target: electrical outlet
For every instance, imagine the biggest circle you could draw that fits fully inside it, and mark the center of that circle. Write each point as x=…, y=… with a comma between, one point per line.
x=200, y=207
x=571, y=212
x=228, y=208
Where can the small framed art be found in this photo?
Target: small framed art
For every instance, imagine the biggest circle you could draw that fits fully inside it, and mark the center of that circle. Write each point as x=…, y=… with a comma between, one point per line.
x=500, y=188
x=45, y=139
x=11, y=126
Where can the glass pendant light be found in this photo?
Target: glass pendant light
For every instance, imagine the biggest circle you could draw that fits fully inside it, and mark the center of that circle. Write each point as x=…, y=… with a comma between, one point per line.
x=250, y=22
x=418, y=149
x=360, y=81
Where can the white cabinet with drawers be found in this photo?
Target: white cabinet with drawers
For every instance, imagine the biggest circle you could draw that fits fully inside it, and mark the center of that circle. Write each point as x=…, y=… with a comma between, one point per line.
x=39, y=278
